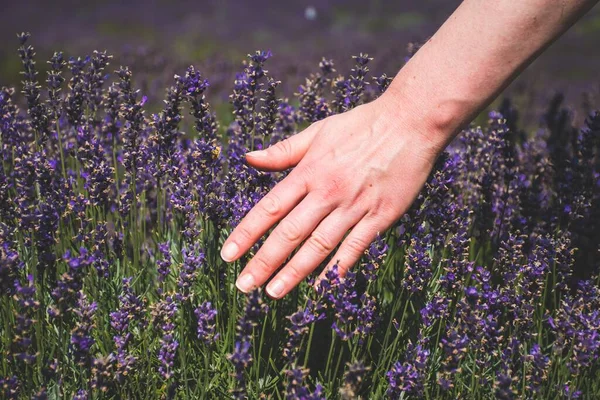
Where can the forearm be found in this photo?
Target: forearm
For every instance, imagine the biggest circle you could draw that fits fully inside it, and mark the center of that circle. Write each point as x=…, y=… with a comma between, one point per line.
x=472, y=57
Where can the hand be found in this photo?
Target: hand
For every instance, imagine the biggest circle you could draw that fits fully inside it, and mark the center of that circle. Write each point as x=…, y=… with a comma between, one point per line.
x=359, y=170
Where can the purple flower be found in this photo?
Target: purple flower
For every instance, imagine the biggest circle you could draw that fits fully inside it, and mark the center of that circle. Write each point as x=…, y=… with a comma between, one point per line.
x=101, y=264
x=440, y=204
x=313, y=105
x=167, y=352
x=435, y=310
x=130, y=313
x=503, y=387
x=65, y=294
x=357, y=81
x=354, y=377
x=418, y=268
x=267, y=118
x=367, y=317
x=47, y=216
x=102, y=374
x=23, y=342
x=576, y=326
x=166, y=126
x=55, y=81
x=9, y=388
x=37, y=110
x=285, y=124
x=97, y=171
x=409, y=377
x=295, y=388
x=182, y=201
x=342, y=295
x=205, y=162
x=164, y=266
x=205, y=121
x=244, y=98
x=478, y=316
x=111, y=125
x=206, y=315
x=571, y=393
x=131, y=110
x=537, y=373
x=74, y=103
x=454, y=346
x=81, y=336
x=241, y=357
x=25, y=174
x=94, y=79
x=131, y=309
x=382, y=81
x=10, y=264
x=164, y=313
x=375, y=257
x=348, y=92
x=13, y=133
x=300, y=321
x=355, y=314
x=341, y=100
x=81, y=395
x=243, y=103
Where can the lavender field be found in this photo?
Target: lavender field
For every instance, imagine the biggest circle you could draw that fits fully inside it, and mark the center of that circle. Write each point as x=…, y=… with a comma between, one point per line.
x=118, y=189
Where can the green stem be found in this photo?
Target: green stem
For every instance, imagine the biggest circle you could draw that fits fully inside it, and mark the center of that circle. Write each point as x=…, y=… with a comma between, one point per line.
x=330, y=355
x=308, y=345
x=60, y=147
x=260, y=348
x=337, y=364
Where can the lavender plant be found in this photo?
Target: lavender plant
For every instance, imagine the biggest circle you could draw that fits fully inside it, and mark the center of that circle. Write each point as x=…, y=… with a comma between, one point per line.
x=112, y=217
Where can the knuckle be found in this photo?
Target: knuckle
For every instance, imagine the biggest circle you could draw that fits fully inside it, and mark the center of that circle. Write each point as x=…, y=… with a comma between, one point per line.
x=320, y=243
x=261, y=265
x=243, y=232
x=354, y=204
x=333, y=189
x=356, y=245
x=290, y=230
x=384, y=208
x=284, y=147
x=342, y=270
x=307, y=171
x=294, y=273
x=271, y=205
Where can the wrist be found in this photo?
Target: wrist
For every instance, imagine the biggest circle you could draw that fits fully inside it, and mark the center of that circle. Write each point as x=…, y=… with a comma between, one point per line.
x=433, y=124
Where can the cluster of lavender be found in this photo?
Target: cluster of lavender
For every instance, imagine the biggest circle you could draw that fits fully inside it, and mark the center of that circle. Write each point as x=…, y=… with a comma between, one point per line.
x=164, y=318
x=505, y=249
x=112, y=217
x=301, y=323
x=241, y=357
x=354, y=308
x=129, y=314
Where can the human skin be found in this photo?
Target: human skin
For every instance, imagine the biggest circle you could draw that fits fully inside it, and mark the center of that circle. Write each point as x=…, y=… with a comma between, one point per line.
x=360, y=171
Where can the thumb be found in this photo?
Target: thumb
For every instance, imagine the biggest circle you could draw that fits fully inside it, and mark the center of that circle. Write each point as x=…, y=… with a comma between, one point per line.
x=285, y=154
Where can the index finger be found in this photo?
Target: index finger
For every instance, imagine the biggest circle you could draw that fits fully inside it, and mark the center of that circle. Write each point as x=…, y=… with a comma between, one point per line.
x=268, y=211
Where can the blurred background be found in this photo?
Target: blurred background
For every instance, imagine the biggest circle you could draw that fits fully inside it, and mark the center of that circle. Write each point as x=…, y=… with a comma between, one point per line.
x=158, y=38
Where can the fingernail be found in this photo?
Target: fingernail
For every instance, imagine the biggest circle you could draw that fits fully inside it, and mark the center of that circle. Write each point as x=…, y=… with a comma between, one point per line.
x=257, y=153
x=229, y=251
x=245, y=283
x=275, y=288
